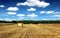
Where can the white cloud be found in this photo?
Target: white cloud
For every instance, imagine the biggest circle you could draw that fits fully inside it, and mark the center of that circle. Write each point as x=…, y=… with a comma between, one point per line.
x=12, y=9
x=42, y=12
x=37, y=3
x=1, y=19
x=8, y=19
x=20, y=15
x=31, y=9
x=47, y=12
x=11, y=13
x=2, y=6
x=50, y=12
x=20, y=18
x=32, y=15
x=44, y=19
x=56, y=15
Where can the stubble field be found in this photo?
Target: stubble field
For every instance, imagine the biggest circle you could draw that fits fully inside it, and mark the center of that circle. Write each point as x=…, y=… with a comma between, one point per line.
x=11, y=30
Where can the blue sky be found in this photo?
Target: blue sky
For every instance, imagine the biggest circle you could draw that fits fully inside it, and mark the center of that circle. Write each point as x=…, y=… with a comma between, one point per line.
x=29, y=10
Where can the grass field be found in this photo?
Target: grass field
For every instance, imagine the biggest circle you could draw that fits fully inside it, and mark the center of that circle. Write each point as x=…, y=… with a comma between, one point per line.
x=10, y=30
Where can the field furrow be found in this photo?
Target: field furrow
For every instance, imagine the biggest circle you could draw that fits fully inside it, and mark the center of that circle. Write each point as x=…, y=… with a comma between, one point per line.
x=30, y=31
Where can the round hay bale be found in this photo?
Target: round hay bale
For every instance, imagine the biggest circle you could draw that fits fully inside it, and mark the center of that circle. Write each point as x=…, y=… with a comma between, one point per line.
x=20, y=24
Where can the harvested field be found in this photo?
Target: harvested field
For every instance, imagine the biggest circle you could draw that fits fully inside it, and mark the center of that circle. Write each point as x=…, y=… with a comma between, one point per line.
x=10, y=30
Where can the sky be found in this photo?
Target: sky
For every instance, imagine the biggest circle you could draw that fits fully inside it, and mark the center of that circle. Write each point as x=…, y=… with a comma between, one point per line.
x=29, y=10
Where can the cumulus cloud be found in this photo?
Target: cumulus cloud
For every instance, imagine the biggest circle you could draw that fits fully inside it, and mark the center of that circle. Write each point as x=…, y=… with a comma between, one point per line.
x=42, y=12
x=20, y=18
x=56, y=15
x=44, y=19
x=37, y=3
x=12, y=9
x=2, y=6
x=31, y=9
x=8, y=19
x=11, y=13
x=50, y=12
x=47, y=12
x=32, y=15
x=1, y=19
x=21, y=15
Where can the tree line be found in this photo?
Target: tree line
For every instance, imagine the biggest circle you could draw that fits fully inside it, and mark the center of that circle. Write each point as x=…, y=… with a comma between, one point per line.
x=32, y=21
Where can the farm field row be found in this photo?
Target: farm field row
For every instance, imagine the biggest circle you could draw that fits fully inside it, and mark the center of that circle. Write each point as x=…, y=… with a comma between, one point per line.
x=30, y=31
